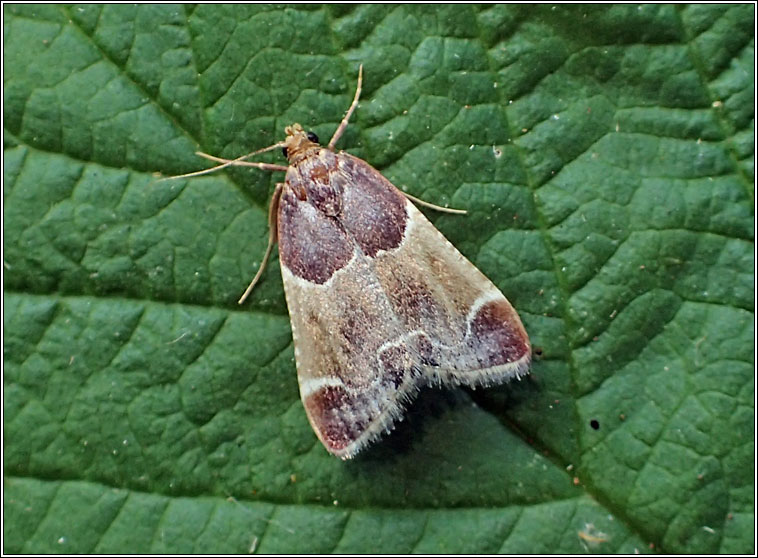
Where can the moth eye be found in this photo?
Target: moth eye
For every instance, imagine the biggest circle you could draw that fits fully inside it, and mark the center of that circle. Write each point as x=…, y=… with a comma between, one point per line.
x=312, y=137
x=284, y=152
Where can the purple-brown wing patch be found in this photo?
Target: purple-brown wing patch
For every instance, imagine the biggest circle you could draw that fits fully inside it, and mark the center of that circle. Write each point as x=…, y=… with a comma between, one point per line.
x=312, y=244
x=496, y=335
x=373, y=211
x=330, y=410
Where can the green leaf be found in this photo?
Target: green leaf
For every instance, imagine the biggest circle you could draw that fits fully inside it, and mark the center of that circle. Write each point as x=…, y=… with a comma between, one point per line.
x=605, y=155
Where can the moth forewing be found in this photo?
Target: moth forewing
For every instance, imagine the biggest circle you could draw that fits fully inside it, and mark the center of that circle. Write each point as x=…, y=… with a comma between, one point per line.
x=478, y=336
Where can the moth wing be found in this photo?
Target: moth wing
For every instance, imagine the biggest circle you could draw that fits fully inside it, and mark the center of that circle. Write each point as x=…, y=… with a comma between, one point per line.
x=354, y=368
x=457, y=323
x=471, y=333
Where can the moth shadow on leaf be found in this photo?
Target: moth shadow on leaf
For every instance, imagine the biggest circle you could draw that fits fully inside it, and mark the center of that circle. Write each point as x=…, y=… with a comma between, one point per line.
x=407, y=436
x=429, y=414
x=500, y=399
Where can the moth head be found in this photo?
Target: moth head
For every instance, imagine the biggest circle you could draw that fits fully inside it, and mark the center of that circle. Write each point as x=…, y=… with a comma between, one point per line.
x=298, y=142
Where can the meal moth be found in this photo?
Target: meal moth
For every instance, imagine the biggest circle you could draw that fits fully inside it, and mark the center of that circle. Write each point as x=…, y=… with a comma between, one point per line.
x=380, y=302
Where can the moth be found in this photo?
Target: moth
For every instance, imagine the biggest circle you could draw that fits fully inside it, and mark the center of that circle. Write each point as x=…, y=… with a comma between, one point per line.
x=381, y=303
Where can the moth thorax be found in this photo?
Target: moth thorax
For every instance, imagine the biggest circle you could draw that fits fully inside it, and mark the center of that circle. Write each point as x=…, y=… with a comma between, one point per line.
x=297, y=145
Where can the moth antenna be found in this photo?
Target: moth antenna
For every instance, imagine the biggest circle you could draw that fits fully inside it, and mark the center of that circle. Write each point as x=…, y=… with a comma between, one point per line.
x=349, y=112
x=239, y=161
x=418, y=201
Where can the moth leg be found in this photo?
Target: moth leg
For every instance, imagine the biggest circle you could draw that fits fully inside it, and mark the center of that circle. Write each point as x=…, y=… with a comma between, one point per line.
x=273, y=210
x=349, y=112
x=419, y=201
